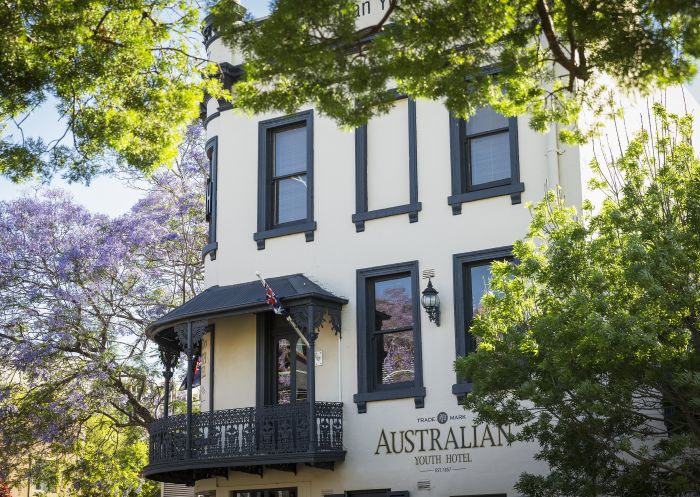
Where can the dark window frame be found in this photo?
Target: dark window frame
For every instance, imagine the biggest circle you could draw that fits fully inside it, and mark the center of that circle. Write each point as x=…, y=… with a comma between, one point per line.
x=367, y=391
x=462, y=293
x=292, y=490
x=266, y=208
x=462, y=191
x=212, y=150
x=387, y=492
x=362, y=213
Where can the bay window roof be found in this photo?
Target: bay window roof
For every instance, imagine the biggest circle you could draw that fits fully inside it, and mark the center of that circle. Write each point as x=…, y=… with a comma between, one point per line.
x=244, y=298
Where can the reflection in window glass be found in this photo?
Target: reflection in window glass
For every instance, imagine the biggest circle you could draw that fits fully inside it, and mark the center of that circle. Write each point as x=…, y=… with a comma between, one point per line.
x=393, y=303
x=281, y=493
x=394, y=357
x=290, y=151
x=490, y=158
x=480, y=277
x=284, y=383
x=291, y=199
x=485, y=119
x=392, y=347
x=301, y=370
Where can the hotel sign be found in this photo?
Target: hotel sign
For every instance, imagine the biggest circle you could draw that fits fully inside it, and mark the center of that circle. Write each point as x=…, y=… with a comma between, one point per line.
x=370, y=12
x=445, y=445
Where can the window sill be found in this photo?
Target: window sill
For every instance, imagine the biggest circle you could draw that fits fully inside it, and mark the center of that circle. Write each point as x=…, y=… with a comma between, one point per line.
x=412, y=210
x=418, y=394
x=461, y=390
x=514, y=190
x=307, y=228
x=210, y=249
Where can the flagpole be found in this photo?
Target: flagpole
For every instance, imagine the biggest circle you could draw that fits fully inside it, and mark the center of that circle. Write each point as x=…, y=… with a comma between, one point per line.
x=289, y=318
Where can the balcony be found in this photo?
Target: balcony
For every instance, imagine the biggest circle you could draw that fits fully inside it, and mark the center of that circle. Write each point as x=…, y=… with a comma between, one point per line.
x=246, y=439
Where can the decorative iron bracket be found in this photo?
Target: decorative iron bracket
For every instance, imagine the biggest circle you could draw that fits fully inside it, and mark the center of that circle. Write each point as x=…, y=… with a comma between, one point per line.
x=199, y=328
x=316, y=313
x=169, y=358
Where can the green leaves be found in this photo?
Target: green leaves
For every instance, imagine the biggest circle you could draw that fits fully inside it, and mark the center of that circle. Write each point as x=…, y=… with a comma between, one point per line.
x=548, y=56
x=591, y=341
x=127, y=78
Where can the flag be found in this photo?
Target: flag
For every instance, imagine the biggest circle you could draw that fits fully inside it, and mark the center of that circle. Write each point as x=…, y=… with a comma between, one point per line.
x=196, y=375
x=274, y=302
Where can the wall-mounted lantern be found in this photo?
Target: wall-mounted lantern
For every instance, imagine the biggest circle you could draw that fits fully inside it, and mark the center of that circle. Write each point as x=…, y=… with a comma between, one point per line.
x=430, y=299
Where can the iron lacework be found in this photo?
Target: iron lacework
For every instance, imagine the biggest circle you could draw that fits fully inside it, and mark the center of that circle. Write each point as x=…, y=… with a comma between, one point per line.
x=244, y=439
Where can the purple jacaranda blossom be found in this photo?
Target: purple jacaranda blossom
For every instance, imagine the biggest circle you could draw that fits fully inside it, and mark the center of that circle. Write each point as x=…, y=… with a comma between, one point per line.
x=77, y=290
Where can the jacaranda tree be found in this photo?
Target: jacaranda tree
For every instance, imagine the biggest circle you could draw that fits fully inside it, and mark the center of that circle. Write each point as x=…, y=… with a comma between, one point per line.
x=77, y=290
x=590, y=342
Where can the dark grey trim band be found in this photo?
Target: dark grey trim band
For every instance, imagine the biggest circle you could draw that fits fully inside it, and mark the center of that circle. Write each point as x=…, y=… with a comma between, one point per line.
x=366, y=391
x=210, y=248
x=361, y=217
x=212, y=151
x=514, y=190
x=463, y=312
x=307, y=228
x=458, y=160
x=361, y=203
x=266, y=229
x=211, y=118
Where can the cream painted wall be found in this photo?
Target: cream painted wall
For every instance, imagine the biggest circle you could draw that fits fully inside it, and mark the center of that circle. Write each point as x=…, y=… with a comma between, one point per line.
x=387, y=158
x=234, y=362
x=333, y=258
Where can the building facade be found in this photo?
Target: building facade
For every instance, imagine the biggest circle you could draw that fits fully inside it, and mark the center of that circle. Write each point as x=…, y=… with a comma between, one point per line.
x=344, y=225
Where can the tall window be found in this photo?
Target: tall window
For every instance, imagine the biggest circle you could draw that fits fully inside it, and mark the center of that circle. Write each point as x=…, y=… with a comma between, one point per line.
x=472, y=275
x=389, y=334
x=212, y=156
x=288, y=178
x=484, y=158
x=285, y=180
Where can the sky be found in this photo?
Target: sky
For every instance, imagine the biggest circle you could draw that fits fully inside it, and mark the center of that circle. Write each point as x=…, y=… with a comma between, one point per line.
x=258, y=8
x=105, y=194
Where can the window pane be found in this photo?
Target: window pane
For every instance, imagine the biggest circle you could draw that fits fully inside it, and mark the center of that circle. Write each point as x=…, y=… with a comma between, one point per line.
x=394, y=357
x=284, y=367
x=393, y=303
x=302, y=354
x=291, y=199
x=480, y=277
x=490, y=158
x=485, y=119
x=290, y=151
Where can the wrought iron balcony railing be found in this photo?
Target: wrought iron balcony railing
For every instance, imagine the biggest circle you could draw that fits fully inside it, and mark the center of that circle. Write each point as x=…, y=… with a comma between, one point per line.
x=278, y=434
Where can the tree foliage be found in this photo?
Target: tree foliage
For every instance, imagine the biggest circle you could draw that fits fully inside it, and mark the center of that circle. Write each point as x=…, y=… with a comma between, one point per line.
x=546, y=56
x=76, y=292
x=591, y=342
x=105, y=462
x=126, y=78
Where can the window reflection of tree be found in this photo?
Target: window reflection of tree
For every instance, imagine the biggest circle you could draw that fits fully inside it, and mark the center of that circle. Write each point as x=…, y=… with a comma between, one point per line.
x=393, y=320
x=284, y=371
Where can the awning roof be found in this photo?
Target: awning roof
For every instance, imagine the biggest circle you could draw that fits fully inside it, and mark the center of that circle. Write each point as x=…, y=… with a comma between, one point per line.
x=243, y=298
